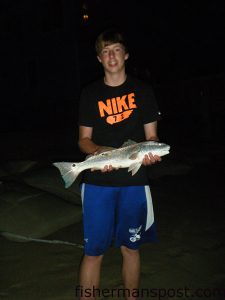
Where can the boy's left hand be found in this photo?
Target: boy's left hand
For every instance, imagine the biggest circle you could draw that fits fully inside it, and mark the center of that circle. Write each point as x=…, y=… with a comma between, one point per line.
x=149, y=159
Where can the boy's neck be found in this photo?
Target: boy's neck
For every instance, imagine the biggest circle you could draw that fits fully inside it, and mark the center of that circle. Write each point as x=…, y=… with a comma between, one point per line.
x=115, y=79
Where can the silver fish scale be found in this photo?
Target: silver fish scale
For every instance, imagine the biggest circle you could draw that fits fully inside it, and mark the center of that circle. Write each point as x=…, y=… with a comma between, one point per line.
x=117, y=154
x=122, y=153
x=129, y=156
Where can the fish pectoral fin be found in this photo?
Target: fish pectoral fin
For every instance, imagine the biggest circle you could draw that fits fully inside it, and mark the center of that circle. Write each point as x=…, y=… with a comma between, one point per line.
x=128, y=143
x=133, y=156
x=134, y=168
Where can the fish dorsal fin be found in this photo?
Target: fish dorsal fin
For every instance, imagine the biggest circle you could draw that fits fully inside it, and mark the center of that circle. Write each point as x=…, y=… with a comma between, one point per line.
x=128, y=143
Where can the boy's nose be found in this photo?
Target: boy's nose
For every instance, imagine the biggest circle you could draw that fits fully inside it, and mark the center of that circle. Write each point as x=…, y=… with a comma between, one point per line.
x=111, y=53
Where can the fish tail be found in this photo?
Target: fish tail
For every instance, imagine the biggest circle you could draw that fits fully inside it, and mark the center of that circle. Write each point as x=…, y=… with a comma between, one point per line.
x=69, y=172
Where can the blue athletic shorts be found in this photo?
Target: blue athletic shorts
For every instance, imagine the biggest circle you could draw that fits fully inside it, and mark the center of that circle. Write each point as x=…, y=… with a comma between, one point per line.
x=123, y=215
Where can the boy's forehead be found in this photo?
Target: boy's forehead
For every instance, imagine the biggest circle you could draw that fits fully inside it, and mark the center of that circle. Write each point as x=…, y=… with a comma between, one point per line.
x=108, y=43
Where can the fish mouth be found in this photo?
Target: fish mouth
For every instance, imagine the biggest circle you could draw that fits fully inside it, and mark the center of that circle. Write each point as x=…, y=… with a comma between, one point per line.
x=166, y=150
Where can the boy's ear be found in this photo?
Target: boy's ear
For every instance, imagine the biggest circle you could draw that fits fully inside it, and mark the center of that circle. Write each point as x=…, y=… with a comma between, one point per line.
x=126, y=56
x=99, y=59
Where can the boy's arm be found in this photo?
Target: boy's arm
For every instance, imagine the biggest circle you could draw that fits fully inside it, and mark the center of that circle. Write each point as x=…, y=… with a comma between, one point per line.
x=150, y=130
x=85, y=142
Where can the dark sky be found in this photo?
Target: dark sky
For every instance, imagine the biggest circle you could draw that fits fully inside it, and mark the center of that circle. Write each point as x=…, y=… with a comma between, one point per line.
x=47, y=52
x=183, y=37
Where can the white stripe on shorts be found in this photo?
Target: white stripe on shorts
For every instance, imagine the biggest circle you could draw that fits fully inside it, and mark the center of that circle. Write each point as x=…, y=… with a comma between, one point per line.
x=82, y=192
x=150, y=212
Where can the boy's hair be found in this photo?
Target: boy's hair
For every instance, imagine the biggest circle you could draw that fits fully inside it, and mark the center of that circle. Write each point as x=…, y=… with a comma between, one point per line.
x=108, y=37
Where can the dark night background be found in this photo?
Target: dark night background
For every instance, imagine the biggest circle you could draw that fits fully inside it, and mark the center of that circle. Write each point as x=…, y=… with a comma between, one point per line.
x=47, y=55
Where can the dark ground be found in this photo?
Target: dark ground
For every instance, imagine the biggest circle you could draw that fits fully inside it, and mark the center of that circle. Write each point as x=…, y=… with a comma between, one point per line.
x=189, y=213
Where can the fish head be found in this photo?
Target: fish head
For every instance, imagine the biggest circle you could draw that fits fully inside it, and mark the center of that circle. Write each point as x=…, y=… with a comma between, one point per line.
x=156, y=148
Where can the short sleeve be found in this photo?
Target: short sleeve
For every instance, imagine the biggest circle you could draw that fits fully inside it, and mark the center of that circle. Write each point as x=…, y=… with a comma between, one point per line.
x=149, y=110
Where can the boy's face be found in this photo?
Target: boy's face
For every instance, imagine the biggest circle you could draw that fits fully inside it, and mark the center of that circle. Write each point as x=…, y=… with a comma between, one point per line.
x=113, y=57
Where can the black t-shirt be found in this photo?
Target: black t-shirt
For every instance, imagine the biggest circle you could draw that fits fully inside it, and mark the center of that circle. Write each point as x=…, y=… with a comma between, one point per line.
x=117, y=114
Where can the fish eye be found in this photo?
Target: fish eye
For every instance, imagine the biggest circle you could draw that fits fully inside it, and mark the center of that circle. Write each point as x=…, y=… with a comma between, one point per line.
x=104, y=154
